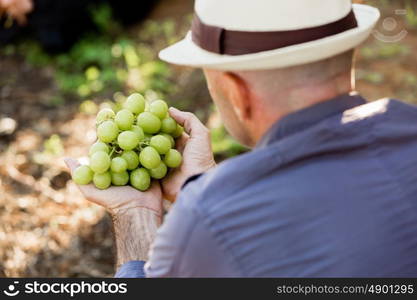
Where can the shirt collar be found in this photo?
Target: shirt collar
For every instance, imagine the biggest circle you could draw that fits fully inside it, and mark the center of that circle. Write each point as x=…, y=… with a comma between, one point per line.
x=306, y=117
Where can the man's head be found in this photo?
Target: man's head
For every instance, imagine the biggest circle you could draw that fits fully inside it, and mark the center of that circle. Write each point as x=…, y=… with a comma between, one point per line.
x=277, y=63
x=251, y=101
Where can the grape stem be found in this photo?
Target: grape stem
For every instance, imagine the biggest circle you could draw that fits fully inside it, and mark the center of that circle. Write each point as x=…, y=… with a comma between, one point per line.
x=112, y=151
x=143, y=145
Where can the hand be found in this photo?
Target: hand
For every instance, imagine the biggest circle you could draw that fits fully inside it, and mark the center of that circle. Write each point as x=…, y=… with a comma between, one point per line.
x=118, y=199
x=17, y=9
x=136, y=215
x=195, y=146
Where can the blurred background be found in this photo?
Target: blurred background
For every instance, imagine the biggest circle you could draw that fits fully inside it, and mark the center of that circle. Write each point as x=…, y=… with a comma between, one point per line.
x=61, y=61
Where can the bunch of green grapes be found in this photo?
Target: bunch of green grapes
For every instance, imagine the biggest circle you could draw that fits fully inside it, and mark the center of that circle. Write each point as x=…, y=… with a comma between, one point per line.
x=134, y=146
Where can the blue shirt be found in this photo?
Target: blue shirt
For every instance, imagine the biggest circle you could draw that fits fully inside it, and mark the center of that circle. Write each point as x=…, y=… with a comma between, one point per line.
x=330, y=191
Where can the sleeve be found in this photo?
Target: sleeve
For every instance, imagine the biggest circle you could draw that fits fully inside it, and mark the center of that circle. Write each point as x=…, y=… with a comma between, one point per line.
x=131, y=269
x=184, y=247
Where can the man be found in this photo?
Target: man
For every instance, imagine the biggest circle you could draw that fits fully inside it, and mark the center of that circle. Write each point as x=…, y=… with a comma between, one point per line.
x=329, y=188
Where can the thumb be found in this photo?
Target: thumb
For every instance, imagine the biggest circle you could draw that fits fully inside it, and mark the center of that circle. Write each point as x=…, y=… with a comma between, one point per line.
x=192, y=125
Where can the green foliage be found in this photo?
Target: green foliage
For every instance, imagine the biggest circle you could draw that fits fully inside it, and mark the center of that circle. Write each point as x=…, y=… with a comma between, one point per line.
x=34, y=54
x=112, y=60
x=51, y=147
x=410, y=79
x=223, y=145
x=392, y=50
x=9, y=50
x=411, y=16
x=371, y=77
x=56, y=100
x=103, y=18
x=100, y=64
x=88, y=107
x=385, y=51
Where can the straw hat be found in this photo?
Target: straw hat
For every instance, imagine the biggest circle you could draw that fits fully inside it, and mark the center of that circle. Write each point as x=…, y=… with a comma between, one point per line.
x=268, y=34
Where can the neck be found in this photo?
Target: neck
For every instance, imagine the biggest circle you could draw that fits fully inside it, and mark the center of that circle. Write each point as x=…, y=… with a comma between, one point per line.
x=295, y=99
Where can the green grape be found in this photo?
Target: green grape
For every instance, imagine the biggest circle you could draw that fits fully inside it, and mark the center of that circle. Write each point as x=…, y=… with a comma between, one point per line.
x=178, y=132
x=149, y=158
x=100, y=162
x=107, y=131
x=159, y=172
x=104, y=115
x=131, y=158
x=98, y=146
x=124, y=119
x=159, y=108
x=169, y=125
x=147, y=138
x=160, y=143
x=120, y=179
x=118, y=165
x=149, y=122
x=170, y=138
x=102, y=181
x=173, y=158
x=140, y=179
x=128, y=140
x=135, y=103
x=82, y=175
x=139, y=131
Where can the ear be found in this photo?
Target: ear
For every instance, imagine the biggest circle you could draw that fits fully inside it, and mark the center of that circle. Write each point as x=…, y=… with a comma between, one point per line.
x=238, y=92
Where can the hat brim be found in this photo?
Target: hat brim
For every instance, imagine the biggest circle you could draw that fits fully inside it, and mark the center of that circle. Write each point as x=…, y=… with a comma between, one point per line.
x=187, y=53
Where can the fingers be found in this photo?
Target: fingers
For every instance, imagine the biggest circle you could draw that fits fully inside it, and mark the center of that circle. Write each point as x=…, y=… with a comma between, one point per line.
x=71, y=163
x=181, y=142
x=119, y=196
x=190, y=122
x=87, y=190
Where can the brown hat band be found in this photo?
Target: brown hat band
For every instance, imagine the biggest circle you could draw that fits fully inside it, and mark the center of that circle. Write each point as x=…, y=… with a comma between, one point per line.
x=221, y=41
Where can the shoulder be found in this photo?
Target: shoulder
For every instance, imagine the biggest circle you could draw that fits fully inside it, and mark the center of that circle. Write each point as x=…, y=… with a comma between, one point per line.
x=383, y=107
x=378, y=121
